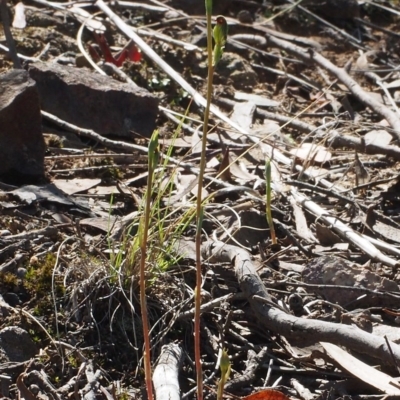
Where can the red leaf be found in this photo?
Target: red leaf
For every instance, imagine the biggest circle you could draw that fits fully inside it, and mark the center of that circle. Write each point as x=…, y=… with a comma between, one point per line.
x=130, y=52
x=267, y=394
x=105, y=48
x=135, y=54
x=121, y=57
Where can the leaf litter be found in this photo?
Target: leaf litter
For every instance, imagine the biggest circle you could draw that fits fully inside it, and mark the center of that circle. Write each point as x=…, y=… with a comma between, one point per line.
x=67, y=250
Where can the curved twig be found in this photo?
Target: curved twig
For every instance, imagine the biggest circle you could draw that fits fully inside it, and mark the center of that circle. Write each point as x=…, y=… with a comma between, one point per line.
x=274, y=318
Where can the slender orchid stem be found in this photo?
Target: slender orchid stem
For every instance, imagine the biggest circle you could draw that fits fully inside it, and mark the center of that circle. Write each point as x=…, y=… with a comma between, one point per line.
x=268, y=200
x=143, y=235
x=220, y=34
x=199, y=210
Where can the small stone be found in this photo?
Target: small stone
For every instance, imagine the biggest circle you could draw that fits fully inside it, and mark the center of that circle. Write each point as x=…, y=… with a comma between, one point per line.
x=245, y=17
x=296, y=303
x=21, y=272
x=12, y=299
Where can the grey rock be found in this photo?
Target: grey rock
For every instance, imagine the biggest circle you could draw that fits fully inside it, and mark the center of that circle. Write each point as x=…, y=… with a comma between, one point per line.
x=93, y=101
x=22, y=145
x=16, y=344
x=332, y=270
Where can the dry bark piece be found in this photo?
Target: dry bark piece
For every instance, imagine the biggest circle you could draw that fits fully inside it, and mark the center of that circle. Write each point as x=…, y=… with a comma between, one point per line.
x=360, y=318
x=93, y=101
x=21, y=142
x=387, y=229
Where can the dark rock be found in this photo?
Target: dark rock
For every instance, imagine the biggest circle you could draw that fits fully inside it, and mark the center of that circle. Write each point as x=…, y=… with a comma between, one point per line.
x=22, y=145
x=93, y=101
x=196, y=7
x=16, y=345
x=12, y=299
x=336, y=9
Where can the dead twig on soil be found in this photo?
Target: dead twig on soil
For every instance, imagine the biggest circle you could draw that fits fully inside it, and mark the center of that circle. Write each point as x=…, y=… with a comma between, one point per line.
x=166, y=373
x=344, y=231
x=276, y=320
x=338, y=141
x=254, y=362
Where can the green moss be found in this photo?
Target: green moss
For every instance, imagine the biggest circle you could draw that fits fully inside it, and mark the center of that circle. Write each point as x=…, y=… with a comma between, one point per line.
x=9, y=280
x=38, y=282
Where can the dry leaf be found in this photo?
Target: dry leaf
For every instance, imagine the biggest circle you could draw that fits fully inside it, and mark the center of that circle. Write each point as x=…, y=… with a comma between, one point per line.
x=196, y=142
x=239, y=171
x=260, y=101
x=362, y=175
x=72, y=186
x=393, y=85
x=310, y=151
x=378, y=137
x=19, y=20
x=362, y=371
x=301, y=222
x=326, y=236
